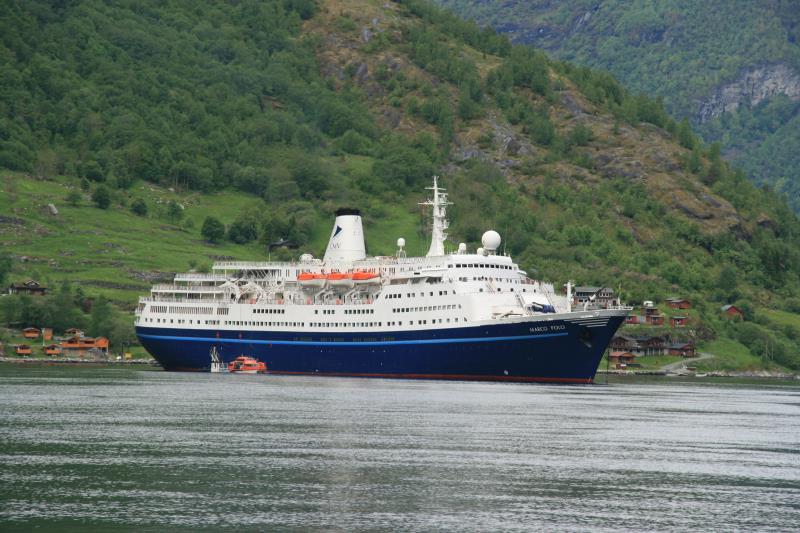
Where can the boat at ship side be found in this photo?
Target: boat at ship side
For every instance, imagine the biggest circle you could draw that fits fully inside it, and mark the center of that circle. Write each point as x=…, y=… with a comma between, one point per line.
x=460, y=315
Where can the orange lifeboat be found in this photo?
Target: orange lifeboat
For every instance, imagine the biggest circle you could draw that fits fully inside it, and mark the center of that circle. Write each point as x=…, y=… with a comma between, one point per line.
x=366, y=278
x=307, y=279
x=336, y=279
x=247, y=365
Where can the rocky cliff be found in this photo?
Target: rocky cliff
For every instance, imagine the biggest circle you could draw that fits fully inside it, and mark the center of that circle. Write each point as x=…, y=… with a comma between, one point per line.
x=751, y=88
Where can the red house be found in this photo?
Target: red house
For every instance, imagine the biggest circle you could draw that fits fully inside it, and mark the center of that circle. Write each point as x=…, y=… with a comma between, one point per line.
x=655, y=320
x=634, y=319
x=679, y=303
x=678, y=321
x=23, y=349
x=731, y=311
x=53, y=349
x=31, y=333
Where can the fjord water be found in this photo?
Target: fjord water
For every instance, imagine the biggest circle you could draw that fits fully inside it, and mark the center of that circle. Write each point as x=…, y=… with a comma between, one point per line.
x=119, y=449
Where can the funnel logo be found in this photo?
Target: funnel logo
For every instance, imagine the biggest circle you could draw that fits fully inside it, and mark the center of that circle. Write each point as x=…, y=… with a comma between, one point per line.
x=337, y=231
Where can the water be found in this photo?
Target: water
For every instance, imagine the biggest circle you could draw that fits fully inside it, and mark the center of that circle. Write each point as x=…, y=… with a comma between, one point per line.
x=118, y=449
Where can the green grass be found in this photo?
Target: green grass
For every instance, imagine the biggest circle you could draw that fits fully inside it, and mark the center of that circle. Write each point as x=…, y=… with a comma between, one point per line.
x=783, y=318
x=103, y=250
x=730, y=355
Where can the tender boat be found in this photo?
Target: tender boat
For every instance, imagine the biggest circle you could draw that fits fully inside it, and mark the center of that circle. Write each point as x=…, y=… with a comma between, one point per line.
x=307, y=279
x=247, y=365
x=336, y=279
x=366, y=278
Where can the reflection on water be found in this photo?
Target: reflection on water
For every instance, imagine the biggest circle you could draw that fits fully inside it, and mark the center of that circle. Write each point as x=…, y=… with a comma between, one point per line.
x=124, y=449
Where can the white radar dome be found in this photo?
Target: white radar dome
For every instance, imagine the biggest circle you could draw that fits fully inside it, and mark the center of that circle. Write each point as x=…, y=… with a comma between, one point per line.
x=491, y=240
x=401, y=242
x=462, y=248
x=306, y=258
x=481, y=251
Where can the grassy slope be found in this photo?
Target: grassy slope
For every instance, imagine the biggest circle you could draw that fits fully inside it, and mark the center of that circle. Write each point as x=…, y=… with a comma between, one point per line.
x=108, y=250
x=730, y=355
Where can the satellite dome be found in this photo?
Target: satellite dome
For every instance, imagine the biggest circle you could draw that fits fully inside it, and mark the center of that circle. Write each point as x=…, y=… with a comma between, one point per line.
x=401, y=242
x=491, y=240
x=306, y=258
x=462, y=248
x=480, y=251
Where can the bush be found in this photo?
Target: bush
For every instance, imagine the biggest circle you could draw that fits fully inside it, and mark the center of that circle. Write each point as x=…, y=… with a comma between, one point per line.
x=74, y=198
x=101, y=197
x=213, y=230
x=92, y=171
x=174, y=212
x=139, y=207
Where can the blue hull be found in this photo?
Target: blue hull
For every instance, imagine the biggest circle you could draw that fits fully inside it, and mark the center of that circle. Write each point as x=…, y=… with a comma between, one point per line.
x=556, y=351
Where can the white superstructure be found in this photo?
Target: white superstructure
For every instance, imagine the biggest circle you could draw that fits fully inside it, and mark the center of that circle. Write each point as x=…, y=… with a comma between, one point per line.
x=347, y=291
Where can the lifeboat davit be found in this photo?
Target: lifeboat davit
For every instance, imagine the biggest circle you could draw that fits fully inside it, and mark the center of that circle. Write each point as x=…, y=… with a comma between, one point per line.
x=307, y=279
x=247, y=365
x=366, y=278
x=336, y=279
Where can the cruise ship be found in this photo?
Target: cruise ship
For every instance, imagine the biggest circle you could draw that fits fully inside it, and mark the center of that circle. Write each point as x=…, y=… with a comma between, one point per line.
x=458, y=314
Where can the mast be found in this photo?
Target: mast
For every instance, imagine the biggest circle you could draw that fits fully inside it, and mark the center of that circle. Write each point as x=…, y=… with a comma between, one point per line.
x=440, y=224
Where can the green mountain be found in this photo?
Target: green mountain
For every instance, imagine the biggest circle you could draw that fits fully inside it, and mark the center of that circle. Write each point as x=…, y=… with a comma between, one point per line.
x=730, y=66
x=140, y=121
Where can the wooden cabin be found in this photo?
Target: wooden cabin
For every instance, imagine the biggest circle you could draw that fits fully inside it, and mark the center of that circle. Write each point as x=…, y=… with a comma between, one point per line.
x=679, y=303
x=83, y=345
x=655, y=319
x=23, y=349
x=47, y=334
x=73, y=332
x=683, y=349
x=678, y=321
x=31, y=333
x=30, y=287
x=621, y=359
x=638, y=345
x=731, y=311
x=634, y=319
x=52, y=349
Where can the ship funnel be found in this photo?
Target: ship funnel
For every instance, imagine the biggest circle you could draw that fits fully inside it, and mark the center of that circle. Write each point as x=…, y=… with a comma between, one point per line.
x=347, y=238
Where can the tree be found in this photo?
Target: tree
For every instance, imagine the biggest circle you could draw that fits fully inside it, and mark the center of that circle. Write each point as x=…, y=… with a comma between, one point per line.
x=174, y=212
x=213, y=230
x=244, y=229
x=685, y=135
x=92, y=171
x=74, y=198
x=101, y=197
x=139, y=207
x=5, y=267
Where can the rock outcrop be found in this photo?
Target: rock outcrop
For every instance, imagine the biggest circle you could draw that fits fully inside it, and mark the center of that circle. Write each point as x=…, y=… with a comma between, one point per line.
x=752, y=87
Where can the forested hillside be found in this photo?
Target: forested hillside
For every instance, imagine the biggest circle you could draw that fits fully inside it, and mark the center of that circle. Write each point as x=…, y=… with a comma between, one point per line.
x=143, y=120
x=730, y=66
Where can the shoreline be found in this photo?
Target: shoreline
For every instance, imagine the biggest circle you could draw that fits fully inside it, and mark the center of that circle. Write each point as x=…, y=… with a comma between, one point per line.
x=760, y=374
x=76, y=361
x=61, y=361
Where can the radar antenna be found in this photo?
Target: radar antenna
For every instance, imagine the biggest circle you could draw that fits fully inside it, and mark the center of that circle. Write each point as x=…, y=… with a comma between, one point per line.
x=440, y=224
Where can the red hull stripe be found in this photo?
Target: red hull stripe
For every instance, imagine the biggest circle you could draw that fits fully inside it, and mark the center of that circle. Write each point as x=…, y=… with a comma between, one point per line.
x=458, y=377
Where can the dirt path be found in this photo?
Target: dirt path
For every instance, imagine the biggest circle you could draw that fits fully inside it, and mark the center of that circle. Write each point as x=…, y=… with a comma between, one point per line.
x=681, y=365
